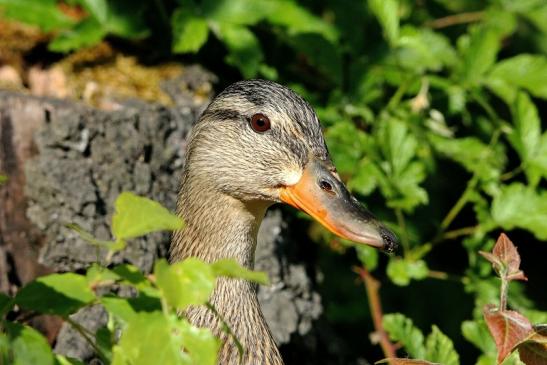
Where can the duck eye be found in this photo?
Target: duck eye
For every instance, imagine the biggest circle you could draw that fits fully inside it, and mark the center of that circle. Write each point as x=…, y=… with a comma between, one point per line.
x=260, y=123
x=325, y=185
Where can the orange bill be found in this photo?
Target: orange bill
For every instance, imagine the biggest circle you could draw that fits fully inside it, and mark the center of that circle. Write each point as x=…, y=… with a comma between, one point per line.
x=321, y=194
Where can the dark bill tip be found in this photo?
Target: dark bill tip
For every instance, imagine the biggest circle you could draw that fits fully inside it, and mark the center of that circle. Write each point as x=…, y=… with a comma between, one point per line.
x=391, y=243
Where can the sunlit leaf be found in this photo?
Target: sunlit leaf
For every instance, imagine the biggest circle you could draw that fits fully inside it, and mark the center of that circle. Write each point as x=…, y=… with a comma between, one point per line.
x=27, y=346
x=402, y=271
x=401, y=329
x=521, y=206
x=189, y=31
x=244, y=51
x=399, y=361
x=136, y=216
x=97, y=8
x=44, y=14
x=63, y=360
x=476, y=332
x=189, y=282
x=86, y=33
x=439, y=348
x=480, y=54
x=198, y=342
x=65, y=293
x=387, y=13
x=230, y=268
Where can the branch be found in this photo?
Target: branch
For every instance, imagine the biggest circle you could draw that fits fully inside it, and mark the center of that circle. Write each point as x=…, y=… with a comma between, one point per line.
x=450, y=20
x=372, y=287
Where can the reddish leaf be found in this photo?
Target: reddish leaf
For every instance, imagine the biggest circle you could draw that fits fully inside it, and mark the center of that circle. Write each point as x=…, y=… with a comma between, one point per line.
x=399, y=361
x=533, y=351
x=505, y=259
x=508, y=328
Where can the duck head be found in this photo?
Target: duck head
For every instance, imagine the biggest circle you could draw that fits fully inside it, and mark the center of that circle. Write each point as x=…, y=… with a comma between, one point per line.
x=261, y=143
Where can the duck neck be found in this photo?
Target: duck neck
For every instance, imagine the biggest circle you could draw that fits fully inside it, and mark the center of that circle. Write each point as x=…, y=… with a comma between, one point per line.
x=217, y=227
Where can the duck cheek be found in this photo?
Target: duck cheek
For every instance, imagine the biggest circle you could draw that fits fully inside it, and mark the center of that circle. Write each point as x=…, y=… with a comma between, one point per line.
x=323, y=196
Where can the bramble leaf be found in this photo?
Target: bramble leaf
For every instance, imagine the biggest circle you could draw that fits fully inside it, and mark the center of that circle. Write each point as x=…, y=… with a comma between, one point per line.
x=505, y=259
x=188, y=282
x=27, y=346
x=508, y=328
x=136, y=216
x=230, y=268
x=401, y=329
x=439, y=348
x=402, y=271
x=190, y=31
x=65, y=293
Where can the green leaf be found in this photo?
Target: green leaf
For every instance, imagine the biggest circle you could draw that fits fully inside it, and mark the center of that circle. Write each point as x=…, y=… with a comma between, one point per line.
x=6, y=303
x=125, y=309
x=150, y=338
x=421, y=49
x=402, y=271
x=364, y=180
x=89, y=237
x=474, y=155
x=386, y=11
x=480, y=54
x=189, y=282
x=63, y=360
x=199, y=343
x=522, y=71
x=346, y=144
x=439, y=348
x=97, y=8
x=3, y=179
x=136, y=216
x=189, y=31
x=230, y=268
x=86, y=33
x=44, y=14
x=298, y=20
x=236, y=12
x=526, y=137
x=477, y=333
x=244, y=51
x=65, y=293
x=127, y=18
x=27, y=346
x=401, y=329
x=368, y=256
x=521, y=206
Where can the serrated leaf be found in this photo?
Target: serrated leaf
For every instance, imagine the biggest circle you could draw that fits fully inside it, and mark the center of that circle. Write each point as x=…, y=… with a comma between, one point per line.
x=43, y=14
x=533, y=350
x=505, y=259
x=65, y=293
x=480, y=55
x=474, y=155
x=521, y=206
x=387, y=13
x=189, y=31
x=198, y=342
x=97, y=8
x=364, y=180
x=189, y=282
x=27, y=346
x=230, y=268
x=244, y=51
x=368, y=256
x=439, y=348
x=150, y=338
x=402, y=271
x=298, y=20
x=86, y=33
x=401, y=329
x=525, y=71
x=476, y=332
x=136, y=216
x=508, y=328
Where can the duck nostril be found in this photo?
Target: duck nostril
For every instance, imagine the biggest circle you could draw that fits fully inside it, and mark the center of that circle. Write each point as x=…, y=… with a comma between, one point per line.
x=325, y=185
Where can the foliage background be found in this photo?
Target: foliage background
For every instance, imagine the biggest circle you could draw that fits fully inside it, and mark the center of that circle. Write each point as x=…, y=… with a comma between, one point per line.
x=433, y=114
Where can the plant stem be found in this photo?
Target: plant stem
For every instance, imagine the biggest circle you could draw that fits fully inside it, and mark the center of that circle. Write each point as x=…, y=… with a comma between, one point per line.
x=503, y=294
x=227, y=329
x=450, y=235
x=87, y=337
x=372, y=287
x=455, y=19
x=458, y=206
x=401, y=222
x=396, y=98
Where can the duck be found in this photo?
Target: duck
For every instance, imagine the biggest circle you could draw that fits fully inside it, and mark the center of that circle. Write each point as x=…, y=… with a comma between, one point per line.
x=257, y=143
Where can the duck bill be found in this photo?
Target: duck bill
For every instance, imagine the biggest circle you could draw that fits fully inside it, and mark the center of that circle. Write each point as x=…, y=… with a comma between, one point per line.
x=321, y=194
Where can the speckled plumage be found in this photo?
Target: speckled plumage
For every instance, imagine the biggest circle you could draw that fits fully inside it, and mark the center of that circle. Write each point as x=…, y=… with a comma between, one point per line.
x=232, y=174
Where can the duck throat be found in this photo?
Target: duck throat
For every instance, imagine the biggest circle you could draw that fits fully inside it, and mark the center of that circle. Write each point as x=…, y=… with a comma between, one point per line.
x=218, y=227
